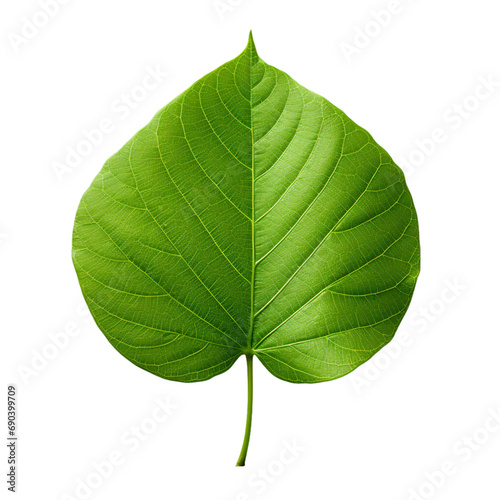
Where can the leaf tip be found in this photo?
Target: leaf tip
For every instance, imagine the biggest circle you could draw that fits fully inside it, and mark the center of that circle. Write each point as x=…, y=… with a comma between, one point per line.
x=251, y=48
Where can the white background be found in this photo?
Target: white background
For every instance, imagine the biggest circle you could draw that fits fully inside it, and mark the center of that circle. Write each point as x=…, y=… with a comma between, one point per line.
x=377, y=433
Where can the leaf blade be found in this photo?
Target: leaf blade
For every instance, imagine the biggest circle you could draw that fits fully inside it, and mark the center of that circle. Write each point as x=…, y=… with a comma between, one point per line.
x=250, y=216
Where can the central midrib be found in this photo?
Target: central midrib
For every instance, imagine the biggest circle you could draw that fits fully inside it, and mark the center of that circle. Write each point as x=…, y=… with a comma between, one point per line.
x=252, y=281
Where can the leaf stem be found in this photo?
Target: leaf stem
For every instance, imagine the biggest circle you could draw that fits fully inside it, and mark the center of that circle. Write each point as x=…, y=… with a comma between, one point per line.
x=246, y=439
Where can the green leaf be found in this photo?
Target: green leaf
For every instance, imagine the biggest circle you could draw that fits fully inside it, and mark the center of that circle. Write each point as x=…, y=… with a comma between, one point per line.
x=250, y=216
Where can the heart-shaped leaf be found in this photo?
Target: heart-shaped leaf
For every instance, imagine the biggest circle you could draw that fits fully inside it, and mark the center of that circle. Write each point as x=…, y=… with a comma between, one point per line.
x=250, y=216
